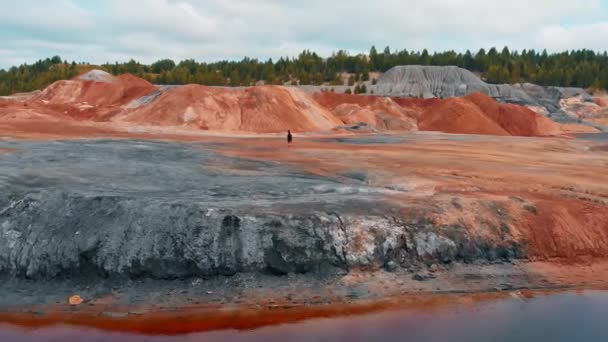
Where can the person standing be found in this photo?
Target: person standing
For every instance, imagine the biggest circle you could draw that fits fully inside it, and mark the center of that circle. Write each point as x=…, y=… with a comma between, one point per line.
x=289, y=138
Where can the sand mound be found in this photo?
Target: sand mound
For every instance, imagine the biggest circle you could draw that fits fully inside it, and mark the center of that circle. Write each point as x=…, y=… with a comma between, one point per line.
x=331, y=100
x=458, y=115
x=263, y=109
x=380, y=112
x=96, y=88
x=352, y=114
x=517, y=120
x=98, y=96
x=416, y=105
x=480, y=114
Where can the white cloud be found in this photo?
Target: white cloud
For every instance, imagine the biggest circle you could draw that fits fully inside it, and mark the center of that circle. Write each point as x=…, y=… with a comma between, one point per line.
x=587, y=36
x=163, y=16
x=47, y=15
x=214, y=29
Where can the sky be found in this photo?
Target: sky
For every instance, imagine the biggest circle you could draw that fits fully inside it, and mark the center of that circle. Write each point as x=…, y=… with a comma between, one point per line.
x=211, y=30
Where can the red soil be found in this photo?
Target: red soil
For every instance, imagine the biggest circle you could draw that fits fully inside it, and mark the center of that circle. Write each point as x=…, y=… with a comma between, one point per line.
x=457, y=115
x=12, y=110
x=567, y=229
x=263, y=109
x=415, y=104
x=99, y=96
x=381, y=112
x=473, y=114
x=480, y=114
x=550, y=193
x=396, y=107
x=115, y=91
x=352, y=114
x=517, y=120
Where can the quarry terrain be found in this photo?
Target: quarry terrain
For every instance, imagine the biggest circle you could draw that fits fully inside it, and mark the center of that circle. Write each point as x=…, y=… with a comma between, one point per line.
x=155, y=200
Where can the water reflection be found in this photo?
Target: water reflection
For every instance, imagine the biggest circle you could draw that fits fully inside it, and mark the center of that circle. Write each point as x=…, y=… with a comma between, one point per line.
x=563, y=317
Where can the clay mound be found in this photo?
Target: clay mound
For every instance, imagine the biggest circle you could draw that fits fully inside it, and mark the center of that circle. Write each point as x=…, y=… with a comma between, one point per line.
x=352, y=114
x=458, y=115
x=331, y=100
x=480, y=114
x=13, y=110
x=380, y=112
x=516, y=120
x=96, y=88
x=416, y=105
x=265, y=109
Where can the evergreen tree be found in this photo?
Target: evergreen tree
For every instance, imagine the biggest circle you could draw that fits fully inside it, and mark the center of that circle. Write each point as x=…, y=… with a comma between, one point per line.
x=577, y=68
x=235, y=78
x=373, y=57
x=162, y=65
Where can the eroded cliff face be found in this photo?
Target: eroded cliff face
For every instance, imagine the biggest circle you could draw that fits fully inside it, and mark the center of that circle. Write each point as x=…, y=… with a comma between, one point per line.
x=106, y=208
x=161, y=210
x=57, y=234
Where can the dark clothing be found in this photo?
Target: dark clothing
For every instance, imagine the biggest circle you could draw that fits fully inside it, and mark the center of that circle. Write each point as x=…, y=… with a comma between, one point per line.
x=289, y=137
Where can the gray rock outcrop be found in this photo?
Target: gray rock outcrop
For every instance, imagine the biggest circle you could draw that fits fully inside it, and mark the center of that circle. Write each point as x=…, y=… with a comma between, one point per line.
x=428, y=82
x=162, y=210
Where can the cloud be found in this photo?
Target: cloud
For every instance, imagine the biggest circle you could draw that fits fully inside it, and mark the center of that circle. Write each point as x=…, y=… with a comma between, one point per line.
x=587, y=36
x=53, y=16
x=148, y=30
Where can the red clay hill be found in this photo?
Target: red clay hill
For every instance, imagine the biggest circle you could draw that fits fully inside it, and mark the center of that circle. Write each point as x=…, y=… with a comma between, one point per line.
x=98, y=96
x=472, y=114
x=93, y=96
x=381, y=112
x=264, y=109
x=97, y=88
x=480, y=114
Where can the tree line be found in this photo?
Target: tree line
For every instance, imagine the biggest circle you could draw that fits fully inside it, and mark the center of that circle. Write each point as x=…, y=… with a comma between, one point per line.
x=576, y=68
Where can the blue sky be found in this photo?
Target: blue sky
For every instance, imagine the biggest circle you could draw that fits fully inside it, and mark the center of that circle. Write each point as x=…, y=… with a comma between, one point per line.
x=208, y=30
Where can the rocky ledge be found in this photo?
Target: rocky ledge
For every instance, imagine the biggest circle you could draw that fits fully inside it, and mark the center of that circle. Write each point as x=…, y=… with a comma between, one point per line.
x=165, y=210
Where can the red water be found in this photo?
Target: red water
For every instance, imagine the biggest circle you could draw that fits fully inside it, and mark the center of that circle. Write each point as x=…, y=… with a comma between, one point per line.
x=561, y=317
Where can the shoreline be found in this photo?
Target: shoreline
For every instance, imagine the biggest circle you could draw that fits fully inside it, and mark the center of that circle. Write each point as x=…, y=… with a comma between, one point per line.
x=201, y=319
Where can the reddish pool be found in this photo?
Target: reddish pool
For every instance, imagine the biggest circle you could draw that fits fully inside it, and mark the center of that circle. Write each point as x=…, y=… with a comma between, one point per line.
x=562, y=317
